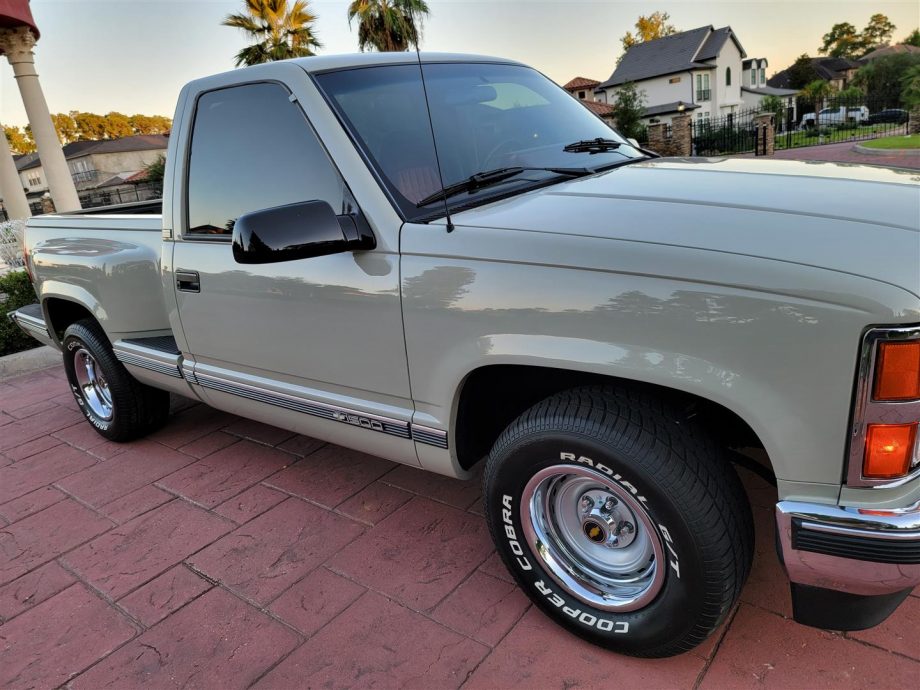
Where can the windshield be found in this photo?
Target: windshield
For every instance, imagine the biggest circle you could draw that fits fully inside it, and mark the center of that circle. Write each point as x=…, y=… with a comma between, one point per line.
x=485, y=117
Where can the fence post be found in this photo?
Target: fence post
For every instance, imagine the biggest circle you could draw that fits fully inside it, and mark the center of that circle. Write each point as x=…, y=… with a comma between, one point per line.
x=765, y=143
x=681, y=143
x=913, y=122
x=47, y=203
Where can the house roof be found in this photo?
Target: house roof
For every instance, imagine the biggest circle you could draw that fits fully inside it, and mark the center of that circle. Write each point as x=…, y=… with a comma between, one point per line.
x=77, y=149
x=602, y=109
x=667, y=108
x=827, y=68
x=675, y=53
x=890, y=50
x=746, y=64
x=770, y=91
x=581, y=83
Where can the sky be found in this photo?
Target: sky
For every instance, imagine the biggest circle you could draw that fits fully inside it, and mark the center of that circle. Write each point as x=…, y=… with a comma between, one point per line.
x=133, y=56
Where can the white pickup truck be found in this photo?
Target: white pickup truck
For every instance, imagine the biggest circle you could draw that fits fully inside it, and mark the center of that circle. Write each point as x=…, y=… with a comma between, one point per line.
x=836, y=116
x=472, y=267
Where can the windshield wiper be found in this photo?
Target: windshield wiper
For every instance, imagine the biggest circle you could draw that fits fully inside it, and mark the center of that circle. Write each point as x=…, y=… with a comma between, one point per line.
x=598, y=145
x=481, y=180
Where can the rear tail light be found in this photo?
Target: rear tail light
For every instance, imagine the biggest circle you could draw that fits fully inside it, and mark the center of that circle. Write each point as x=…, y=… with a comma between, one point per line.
x=885, y=437
x=897, y=376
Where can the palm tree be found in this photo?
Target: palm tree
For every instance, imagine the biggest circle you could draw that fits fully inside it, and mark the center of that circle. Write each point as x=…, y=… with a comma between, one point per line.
x=388, y=25
x=281, y=31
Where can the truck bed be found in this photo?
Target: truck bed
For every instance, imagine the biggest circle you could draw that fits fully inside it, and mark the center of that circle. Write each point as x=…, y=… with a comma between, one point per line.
x=70, y=252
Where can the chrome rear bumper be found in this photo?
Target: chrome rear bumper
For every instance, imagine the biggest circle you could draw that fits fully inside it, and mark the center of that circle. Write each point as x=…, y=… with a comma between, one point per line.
x=853, y=550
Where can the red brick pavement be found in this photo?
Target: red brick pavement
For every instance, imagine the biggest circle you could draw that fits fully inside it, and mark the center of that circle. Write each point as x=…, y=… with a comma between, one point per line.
x=846, y=153
x=225, y=553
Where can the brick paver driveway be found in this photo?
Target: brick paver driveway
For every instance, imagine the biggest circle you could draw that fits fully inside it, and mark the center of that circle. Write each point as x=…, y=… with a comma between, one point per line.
x=224, y=553
x=846, y=153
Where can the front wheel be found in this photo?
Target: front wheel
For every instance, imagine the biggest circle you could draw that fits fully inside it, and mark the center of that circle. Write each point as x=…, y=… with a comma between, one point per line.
x=118, y=406
x=623, y=524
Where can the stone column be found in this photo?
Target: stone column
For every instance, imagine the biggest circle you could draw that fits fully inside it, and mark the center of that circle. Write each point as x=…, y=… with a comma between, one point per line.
x=913, y=123
x=765, y=121
x=14, y=197
x=681, y=135
x=17, y=45
x=656, y=138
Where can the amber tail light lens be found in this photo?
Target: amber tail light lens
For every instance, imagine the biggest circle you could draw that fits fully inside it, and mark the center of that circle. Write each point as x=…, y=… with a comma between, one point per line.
x=889, y=450
x=897, y=376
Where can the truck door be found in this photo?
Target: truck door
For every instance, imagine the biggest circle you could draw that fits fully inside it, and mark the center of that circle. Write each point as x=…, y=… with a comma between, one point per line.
x=313, y=344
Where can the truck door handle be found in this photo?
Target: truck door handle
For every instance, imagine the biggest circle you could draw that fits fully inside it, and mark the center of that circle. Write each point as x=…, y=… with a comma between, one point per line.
x=188, y=281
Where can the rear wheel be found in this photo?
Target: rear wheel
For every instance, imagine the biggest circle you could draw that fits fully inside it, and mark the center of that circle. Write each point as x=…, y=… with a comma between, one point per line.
x=118, y=406
x=623, y=524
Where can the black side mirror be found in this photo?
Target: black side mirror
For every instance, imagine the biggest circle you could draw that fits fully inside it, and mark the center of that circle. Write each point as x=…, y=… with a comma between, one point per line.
x=297, y=231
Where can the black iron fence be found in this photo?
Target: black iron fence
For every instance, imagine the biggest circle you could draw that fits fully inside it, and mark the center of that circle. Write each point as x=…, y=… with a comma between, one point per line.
x=836, y=120
x=119, y=195
x=732, y=133
x=799, y=122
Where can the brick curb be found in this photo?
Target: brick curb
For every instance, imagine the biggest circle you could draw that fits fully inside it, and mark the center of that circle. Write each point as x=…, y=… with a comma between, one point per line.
x=28, y=360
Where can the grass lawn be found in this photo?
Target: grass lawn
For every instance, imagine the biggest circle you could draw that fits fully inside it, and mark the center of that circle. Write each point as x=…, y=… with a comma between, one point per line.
x=900, y=142
x=860, y=135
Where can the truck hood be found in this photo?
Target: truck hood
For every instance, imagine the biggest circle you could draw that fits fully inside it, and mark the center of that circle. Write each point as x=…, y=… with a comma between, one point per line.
x=857, y=219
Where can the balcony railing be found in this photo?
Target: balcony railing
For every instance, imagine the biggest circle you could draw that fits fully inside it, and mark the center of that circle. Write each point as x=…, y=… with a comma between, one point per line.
x=85, y=176
x=703, y=94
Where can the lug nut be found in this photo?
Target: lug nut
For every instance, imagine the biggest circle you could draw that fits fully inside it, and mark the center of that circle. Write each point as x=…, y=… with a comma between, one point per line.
x=586, y=503
x=610, y=504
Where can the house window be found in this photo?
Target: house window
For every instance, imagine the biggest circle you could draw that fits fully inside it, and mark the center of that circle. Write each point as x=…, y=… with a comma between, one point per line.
x=763, y=76
x=728, y=76
x=753, y=76
x=674, y=80
x=703, y=92
x=581, y=95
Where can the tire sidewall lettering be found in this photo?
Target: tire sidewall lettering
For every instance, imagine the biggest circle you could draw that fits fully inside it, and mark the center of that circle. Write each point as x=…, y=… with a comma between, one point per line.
x=72, y=344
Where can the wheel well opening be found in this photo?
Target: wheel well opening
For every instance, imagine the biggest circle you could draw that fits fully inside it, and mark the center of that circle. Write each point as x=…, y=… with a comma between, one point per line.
x=62, y=313
x=493, y=396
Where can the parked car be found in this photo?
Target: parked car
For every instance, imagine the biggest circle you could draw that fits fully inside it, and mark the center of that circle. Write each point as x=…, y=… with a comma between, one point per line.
x=836, y=116
x=896, y=115
x=478, y=270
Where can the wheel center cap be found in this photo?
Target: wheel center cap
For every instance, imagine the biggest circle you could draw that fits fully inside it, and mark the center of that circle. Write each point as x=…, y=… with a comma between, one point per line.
x=594, y=531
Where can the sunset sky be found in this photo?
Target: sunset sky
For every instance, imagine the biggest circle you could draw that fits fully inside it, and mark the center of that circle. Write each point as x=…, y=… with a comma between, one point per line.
x=134, y=55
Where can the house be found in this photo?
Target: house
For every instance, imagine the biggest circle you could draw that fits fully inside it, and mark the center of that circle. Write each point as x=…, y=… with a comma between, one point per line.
x=884, y=51
x=754, y=89
x=698, y=71
x=839, y=72
x=582, y=89
x=97, y=165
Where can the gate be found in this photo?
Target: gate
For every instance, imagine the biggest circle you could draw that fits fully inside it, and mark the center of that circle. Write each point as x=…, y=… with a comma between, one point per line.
x=732, y=133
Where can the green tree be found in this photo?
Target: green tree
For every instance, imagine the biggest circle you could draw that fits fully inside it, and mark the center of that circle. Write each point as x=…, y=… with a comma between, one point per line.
x=388, y=25
x=150, y=124
x=20, y=141
x=877, y=33
x=155, y=173
x=90, y=125
x=775, y=105
x=802, y=72
x=280, y=30
x=628, y=109
x=910, y=92
x=117, y=126
x=66, y=128
x=814, y=95
x=842, y=41
x=913, y=38
x=648, y=28
x=882, y=79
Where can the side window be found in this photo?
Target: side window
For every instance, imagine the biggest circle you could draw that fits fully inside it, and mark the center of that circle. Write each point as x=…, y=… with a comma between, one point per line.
x=253, y=149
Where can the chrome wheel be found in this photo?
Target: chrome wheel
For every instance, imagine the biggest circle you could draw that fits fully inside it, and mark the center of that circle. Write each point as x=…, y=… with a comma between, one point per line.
x=92, y=384
x=593, y=537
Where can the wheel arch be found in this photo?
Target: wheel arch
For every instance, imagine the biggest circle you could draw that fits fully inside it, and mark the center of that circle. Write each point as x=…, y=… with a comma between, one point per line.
x=491, y=396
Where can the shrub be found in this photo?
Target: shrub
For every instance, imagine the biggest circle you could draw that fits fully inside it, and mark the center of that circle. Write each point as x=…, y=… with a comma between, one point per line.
x=15, y=292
